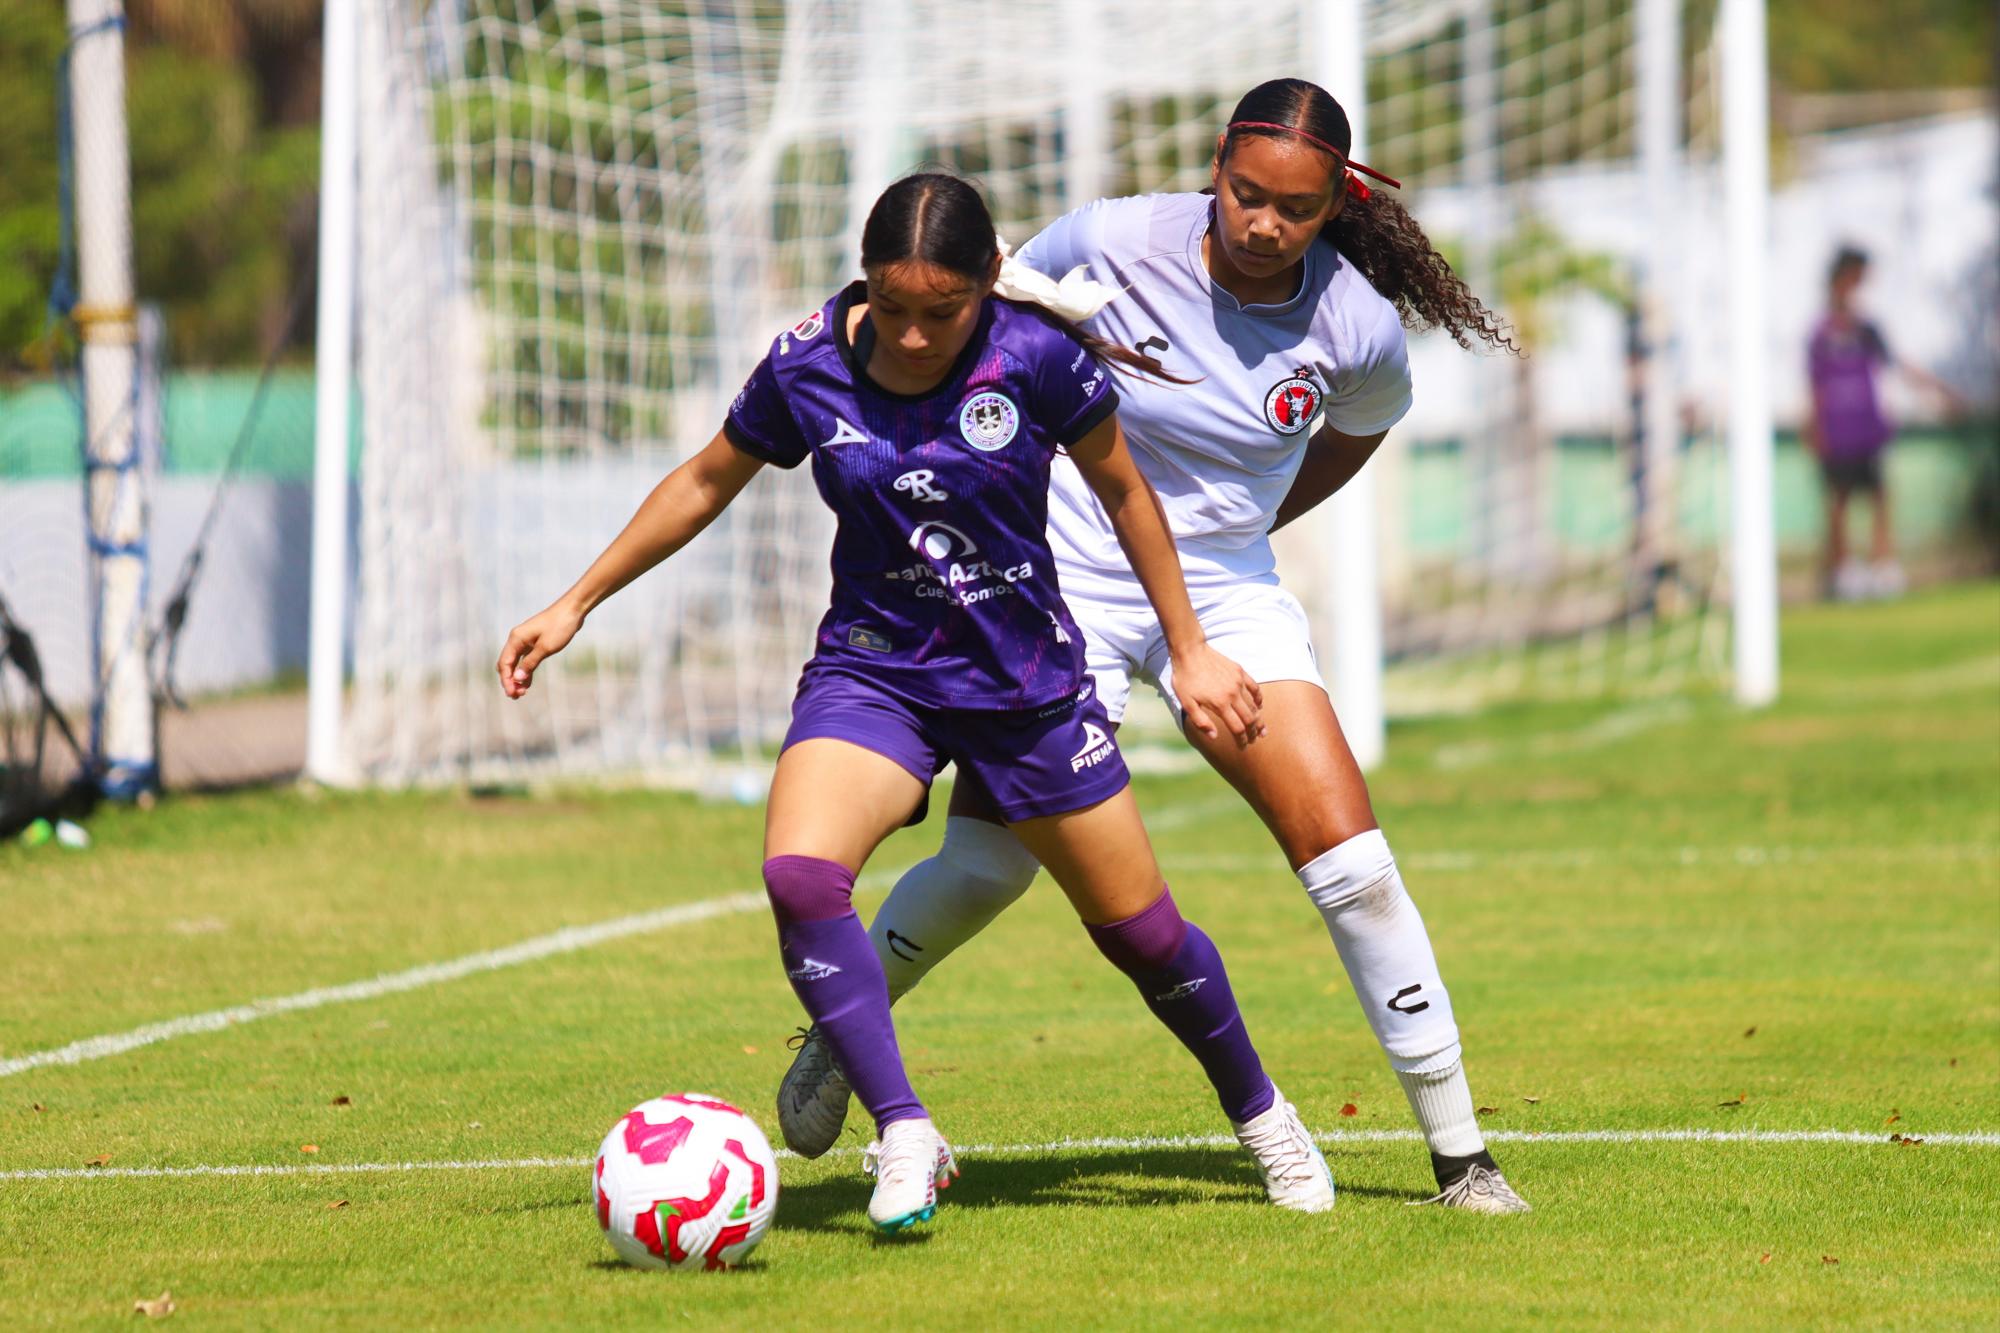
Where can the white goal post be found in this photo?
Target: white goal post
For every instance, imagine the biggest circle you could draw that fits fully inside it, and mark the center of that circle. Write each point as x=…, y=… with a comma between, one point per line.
x=564, y=232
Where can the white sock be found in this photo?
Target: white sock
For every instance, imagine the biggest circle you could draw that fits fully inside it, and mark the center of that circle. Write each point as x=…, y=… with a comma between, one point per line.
x=942, y=902
x=1387, y=952
x=1443, y=1104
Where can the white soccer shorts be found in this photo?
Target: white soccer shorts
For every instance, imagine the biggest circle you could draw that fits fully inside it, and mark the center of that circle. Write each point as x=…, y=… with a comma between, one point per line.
x=1259, y=626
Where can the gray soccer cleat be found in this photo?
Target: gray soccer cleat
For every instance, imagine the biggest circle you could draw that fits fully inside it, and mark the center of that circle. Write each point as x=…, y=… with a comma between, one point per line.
x=812, y=1099
x=1482, y=1189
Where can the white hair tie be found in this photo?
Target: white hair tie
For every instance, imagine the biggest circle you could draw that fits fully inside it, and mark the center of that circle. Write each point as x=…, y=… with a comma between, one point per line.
x=1076, y=298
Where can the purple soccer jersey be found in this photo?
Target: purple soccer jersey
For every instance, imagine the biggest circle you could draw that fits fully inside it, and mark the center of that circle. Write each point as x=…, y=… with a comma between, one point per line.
x=944, y=591
x=1843, y=361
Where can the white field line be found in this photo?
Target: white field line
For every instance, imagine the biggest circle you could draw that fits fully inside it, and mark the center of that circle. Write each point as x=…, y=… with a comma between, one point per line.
x=1053, y=1148
x=570, y=939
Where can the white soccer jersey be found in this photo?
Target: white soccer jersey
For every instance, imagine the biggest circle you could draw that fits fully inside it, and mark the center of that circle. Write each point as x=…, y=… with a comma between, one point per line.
x=1222, y=452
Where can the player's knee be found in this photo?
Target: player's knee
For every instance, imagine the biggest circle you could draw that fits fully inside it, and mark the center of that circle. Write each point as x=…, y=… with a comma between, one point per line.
x=1360, y=868
x=1144, y=942
x=987, y=860
x=808, y=888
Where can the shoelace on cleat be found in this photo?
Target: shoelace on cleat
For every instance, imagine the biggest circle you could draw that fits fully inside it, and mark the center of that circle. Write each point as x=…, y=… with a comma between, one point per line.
x=1290, y=1149
x=917, y=1155
x=1478, y=1182
x=798, y=1039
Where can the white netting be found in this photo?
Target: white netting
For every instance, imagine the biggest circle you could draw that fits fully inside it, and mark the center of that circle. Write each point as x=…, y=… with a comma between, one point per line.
x=582, y=224
x=1551, y=523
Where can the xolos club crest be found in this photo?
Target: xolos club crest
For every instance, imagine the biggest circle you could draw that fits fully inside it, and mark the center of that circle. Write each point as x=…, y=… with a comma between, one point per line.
x=1292, y=403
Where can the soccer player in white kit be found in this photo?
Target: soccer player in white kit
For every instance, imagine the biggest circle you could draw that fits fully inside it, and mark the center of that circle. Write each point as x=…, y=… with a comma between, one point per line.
x=1283, y=297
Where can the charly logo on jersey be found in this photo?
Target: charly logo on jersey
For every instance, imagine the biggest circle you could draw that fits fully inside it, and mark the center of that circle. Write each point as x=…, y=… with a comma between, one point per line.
x=918, y=484
x=1097, y=747
x=963, y=579
x=989, y=421
x=1292, y=403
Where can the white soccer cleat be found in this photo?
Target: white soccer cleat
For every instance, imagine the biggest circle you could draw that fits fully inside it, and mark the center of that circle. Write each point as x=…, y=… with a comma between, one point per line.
x=1482, y=1189
x=812, y=1099
x=911, y=1163
x=1295, y=1171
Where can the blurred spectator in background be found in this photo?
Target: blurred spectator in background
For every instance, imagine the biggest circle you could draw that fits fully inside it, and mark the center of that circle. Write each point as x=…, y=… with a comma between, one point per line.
x=1849, y=432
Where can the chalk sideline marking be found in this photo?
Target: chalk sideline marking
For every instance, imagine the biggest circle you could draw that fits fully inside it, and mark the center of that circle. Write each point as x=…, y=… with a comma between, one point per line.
x=1055, y=1147
x=568, y=940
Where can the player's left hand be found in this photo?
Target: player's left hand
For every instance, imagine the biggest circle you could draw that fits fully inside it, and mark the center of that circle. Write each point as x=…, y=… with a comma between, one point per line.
x=1216, y=693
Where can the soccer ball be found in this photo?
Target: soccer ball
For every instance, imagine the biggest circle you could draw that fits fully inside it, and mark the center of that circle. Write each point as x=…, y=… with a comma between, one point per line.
x=685, y=1182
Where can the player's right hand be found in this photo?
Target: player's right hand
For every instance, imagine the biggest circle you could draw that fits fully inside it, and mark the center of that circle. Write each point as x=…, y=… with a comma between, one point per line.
x=1212, y=689
x=532, y=642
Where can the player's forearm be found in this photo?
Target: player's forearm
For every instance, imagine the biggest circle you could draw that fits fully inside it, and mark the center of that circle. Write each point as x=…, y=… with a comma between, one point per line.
x=1332, y=460
x=685, y=502
x=1141, y=526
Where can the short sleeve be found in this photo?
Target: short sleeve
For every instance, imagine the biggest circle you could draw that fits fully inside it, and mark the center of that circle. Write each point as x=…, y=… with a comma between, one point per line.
x=1064, y=243
x=761, y=425
x=1371, y=390
x=1073, y=393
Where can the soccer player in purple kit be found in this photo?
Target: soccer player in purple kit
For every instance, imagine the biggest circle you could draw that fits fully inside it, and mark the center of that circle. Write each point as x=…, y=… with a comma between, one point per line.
x=1282, y=297
x=932, y=409
x=1849, y=432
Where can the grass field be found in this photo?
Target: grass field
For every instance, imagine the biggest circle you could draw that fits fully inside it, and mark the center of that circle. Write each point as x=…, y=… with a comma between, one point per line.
x=1664, y=916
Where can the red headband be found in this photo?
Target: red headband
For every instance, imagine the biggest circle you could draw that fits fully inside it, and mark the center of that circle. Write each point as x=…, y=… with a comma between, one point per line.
x=1359, y=190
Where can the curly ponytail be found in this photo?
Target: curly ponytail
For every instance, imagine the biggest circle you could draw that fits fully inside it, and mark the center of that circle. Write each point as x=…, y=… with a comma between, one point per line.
x=1376, y=234
x=1380, y=238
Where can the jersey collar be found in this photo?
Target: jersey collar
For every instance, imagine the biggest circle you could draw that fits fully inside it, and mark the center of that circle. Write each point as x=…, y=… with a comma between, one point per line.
x=855, y=354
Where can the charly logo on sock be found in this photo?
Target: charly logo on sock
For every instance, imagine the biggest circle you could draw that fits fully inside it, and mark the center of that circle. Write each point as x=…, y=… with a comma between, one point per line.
x=1405, y=994
x=1181, y=992
x=811, y=969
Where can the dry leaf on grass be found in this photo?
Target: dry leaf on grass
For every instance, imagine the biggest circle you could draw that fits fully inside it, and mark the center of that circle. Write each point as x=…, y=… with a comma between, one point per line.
x=1350, y=1109
x=102, y=1159
x=749, y=1050
x=1489, y=1110
x=1765, y=1258
x=342, y=1100
x=1828, y=1259
x=158, y=1308
x=309, y=1147
x=337, y=1203
x=1750, y=1031
x=1737, y=1100
x=39, y=1108
x=1532, y=1101
x=1905, y=1140
x=1894, y=1116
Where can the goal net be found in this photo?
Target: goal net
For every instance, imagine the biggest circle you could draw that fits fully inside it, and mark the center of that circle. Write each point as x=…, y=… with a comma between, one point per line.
x=582, y=223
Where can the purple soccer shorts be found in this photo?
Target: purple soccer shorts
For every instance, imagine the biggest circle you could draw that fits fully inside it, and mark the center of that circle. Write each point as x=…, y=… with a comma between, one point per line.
x=1033, y=762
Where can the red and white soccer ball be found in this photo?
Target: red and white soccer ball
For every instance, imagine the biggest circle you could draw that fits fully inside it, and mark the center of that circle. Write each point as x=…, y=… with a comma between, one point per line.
x=686, y=1181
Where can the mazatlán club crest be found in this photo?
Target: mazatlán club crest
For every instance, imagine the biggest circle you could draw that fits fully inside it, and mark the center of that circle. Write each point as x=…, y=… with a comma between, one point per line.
x=988, y=421
x=1291, y=404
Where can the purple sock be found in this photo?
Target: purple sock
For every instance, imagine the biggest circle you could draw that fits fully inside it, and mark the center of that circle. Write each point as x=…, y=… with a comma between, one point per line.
x=1179, y=972
x=838, y=978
